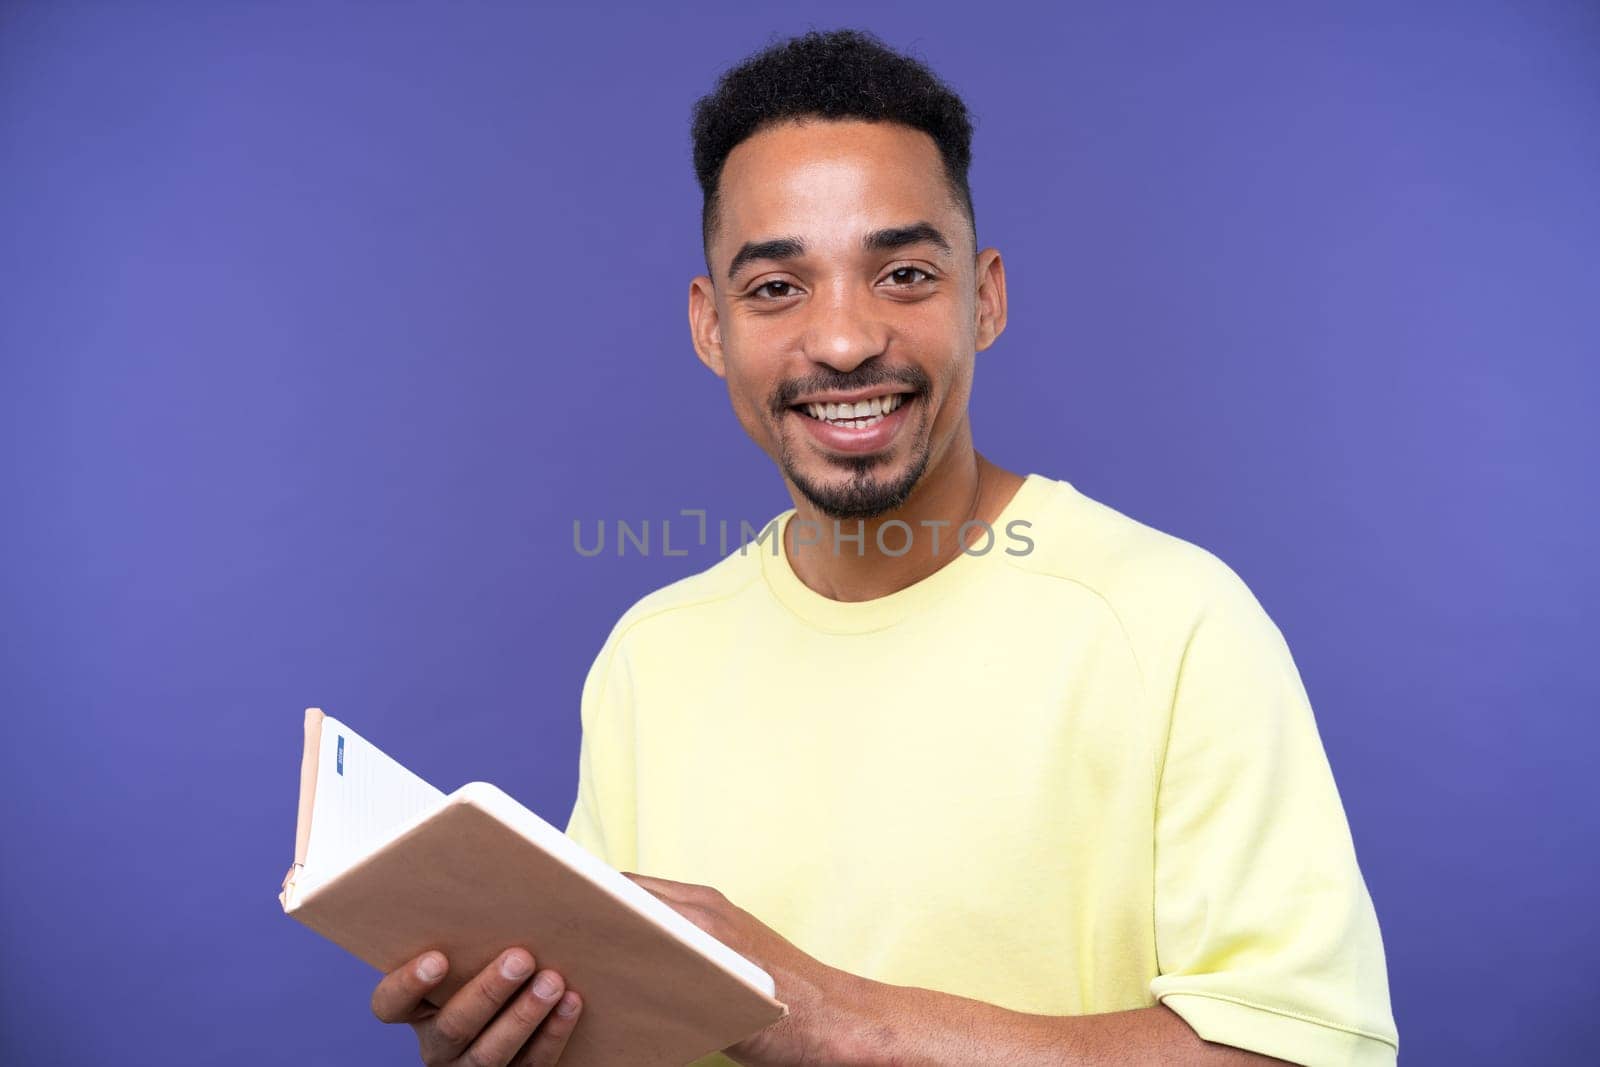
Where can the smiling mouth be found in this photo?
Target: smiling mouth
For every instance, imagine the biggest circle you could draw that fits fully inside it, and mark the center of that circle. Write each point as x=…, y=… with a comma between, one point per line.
x=856, y=416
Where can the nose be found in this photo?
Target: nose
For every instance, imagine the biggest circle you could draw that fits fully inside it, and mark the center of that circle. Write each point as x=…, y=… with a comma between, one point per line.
x=843, y=332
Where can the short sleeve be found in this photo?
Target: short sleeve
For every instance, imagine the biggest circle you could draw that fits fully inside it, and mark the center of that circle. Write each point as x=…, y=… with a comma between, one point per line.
x=603, y=815
x=1266, y=936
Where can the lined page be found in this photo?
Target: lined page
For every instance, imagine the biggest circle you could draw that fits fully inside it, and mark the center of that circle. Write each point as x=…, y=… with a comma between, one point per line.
x=363, y=797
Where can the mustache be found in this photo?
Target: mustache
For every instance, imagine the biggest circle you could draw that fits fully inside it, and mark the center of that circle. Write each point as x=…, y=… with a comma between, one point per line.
x=905, y=379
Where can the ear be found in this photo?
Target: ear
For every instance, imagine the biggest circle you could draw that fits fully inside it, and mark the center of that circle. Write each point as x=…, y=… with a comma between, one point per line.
x=991, y=297
x=705, y=326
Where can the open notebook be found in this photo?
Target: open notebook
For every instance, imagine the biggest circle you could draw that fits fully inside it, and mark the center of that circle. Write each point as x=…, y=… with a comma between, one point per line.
x=387, y=866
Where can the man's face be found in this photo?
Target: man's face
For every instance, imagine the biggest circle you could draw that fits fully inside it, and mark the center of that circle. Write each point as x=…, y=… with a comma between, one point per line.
x=844, y=315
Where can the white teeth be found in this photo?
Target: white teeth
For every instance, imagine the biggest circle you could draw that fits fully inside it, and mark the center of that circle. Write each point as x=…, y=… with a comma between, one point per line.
x=856, y=416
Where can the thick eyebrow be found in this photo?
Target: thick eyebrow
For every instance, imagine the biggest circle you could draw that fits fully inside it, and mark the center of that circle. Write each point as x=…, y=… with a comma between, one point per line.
x=887, y=240
x=779, y=248
x=902, y=236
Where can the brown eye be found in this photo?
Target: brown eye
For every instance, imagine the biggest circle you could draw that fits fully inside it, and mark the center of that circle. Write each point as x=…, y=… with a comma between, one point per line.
x=774, y=289
x=908, y=275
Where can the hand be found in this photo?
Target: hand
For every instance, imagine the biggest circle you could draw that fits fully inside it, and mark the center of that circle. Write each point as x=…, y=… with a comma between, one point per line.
x=827, y=1013
x=490, y=1021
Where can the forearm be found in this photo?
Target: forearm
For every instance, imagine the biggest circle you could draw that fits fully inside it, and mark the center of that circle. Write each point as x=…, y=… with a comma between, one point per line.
x=908, y=1027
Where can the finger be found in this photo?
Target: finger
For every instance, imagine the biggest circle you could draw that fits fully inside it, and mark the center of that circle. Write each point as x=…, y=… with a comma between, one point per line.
x=547, y=1045
x=398, y=997
x=679, y=903
x=464, y=1015
x=510, y=1030
x=665, y=888
x=686, y=892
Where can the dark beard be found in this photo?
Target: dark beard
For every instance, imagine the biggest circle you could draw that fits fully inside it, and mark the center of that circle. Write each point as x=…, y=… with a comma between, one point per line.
x=863, y=496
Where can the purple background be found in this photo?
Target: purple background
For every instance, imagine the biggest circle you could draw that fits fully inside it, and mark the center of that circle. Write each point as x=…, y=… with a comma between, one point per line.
x=321, y=325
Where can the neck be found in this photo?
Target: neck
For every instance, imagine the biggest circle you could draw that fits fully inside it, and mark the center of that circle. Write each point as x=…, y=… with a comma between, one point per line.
x=962, y=487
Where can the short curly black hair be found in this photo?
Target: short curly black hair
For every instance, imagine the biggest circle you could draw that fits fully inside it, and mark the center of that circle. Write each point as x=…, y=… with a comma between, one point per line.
x=840, y=74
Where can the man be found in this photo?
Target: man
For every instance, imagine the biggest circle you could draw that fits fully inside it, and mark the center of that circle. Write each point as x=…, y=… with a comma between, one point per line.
x=979, y=769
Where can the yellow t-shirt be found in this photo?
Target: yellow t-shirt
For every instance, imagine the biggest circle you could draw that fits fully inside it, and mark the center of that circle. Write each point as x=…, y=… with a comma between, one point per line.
x=1077, y=780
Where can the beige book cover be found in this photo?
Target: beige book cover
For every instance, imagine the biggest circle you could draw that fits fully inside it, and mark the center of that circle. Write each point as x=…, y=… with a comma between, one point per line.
x=387, y=867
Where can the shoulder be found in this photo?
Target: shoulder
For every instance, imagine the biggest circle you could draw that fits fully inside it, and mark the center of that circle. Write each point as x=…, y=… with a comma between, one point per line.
x=662, y=610
x=1158, y=583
